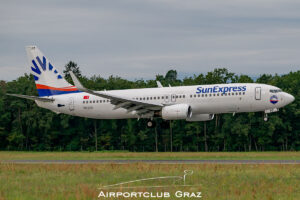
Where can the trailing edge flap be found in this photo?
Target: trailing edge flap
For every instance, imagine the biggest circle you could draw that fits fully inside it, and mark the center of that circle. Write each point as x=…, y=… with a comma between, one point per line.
x=32, y=97
x=118, y=100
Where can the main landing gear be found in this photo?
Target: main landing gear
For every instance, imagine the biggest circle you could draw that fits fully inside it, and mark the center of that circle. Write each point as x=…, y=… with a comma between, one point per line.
x=266, y=117
x=150, y=123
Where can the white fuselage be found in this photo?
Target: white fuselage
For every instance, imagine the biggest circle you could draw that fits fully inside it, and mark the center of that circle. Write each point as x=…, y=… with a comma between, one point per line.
x=203, y=99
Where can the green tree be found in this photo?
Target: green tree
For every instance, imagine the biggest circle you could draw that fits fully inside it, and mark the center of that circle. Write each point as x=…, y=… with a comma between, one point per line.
x=71, y=66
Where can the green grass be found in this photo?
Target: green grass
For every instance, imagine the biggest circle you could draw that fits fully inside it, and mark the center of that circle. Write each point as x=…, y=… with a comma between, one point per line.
x=15, y=155
x=215, y=181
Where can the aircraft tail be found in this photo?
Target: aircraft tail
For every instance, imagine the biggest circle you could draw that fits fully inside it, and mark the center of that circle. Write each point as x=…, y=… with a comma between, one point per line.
x=47, y=79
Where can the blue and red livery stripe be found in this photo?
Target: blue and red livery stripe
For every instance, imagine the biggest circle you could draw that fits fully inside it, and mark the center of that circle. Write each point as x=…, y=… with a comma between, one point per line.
x=44, y=90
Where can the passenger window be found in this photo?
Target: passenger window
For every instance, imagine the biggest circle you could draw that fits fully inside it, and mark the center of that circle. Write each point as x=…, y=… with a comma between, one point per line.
x=191, y=96
x=158, y=97
x=183, y=96
x=162, y=97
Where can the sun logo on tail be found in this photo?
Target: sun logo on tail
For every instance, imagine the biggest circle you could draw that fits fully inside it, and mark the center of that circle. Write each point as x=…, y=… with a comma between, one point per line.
x=43, y=65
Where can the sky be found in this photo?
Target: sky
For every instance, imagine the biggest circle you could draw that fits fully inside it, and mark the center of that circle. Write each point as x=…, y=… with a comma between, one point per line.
x=137, y=39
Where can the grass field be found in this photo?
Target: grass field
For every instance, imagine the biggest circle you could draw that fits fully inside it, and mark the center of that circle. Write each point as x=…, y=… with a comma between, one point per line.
x=215, y=181
x=14, y=155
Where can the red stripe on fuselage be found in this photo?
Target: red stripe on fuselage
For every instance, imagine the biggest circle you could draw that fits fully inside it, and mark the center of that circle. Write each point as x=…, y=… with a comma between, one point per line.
x=71, y=88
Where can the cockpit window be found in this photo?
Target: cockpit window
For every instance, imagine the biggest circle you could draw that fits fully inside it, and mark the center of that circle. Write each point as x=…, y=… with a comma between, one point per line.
x=275, y=90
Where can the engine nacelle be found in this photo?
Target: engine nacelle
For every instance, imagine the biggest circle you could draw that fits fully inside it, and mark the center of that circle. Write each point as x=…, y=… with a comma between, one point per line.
x=177, y=111
x=200, y=117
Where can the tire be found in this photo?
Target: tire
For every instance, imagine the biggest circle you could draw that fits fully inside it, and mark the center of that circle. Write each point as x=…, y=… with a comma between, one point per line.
x=151, y=124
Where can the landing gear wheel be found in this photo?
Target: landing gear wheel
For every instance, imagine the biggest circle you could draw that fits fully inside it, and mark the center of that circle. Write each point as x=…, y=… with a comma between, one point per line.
x=150, y=124
x=266, y=117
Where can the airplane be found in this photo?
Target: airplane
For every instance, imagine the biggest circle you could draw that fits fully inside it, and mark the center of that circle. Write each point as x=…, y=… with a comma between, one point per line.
x=190, y=103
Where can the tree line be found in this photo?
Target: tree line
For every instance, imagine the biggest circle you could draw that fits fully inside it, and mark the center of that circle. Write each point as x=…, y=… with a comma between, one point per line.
x=25, y=126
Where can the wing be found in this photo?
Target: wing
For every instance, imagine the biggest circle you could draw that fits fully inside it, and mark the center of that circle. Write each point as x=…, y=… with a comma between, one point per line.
x=32, y=97
x=141, y=108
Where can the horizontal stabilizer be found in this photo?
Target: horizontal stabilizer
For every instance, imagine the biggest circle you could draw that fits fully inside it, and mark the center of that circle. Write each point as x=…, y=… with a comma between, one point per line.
x=32, y=97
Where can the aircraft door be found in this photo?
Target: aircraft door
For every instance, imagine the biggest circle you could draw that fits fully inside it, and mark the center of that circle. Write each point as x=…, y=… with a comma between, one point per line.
x=258, y=93
x=71, y=104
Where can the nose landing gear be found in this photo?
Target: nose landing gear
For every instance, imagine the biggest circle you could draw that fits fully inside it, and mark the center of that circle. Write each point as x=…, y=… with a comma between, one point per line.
x=266, y=117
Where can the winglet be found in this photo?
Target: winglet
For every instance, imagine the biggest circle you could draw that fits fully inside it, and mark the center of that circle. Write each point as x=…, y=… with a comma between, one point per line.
x=159, y=84
x=77, y=83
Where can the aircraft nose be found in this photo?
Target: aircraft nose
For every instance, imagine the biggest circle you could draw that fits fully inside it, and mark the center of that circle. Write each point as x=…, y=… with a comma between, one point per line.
x=289, y=98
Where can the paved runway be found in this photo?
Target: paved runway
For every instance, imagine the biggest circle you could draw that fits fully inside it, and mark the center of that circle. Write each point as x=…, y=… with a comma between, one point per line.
x=153, y=161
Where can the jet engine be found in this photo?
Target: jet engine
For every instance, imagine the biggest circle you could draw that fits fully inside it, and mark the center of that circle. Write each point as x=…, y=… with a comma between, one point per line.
x=200, y=117
x=177, y=111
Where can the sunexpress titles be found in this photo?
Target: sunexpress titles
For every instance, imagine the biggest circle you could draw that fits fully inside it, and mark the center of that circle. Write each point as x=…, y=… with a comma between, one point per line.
x=223, y=90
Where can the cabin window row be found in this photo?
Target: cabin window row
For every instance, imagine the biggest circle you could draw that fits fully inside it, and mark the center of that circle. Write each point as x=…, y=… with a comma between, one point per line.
x=96, y=101
x=217, y=94
x=157, y=98
x=166, y=97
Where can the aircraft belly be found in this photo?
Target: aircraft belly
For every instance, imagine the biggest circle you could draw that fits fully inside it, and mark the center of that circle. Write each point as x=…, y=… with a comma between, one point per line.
x=215, y=106
x=104, y=112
